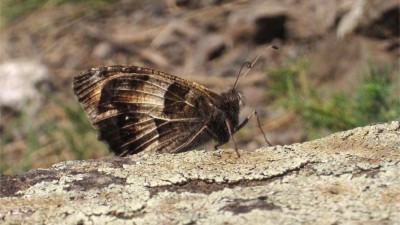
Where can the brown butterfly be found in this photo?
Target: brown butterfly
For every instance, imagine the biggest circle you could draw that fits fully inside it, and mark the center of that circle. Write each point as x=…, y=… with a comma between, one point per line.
x=139, y=109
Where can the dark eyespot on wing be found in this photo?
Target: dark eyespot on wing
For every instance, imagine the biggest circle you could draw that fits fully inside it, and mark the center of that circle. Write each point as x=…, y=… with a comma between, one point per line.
x=175, y=98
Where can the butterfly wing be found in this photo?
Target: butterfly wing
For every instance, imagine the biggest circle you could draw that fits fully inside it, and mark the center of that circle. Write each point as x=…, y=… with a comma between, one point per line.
x=138, y=109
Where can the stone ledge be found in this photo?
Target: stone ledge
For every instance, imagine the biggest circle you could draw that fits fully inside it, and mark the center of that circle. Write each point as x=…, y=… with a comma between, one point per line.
x=347, y=177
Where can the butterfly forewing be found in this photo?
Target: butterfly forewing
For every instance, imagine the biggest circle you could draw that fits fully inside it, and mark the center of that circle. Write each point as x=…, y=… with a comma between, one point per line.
x=138, y=109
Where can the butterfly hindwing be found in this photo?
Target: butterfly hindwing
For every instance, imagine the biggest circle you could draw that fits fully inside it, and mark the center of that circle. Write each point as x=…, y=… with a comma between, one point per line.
x=138, y=109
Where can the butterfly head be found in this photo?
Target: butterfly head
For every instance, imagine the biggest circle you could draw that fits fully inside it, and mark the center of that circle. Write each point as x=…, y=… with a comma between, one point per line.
x=232, y=102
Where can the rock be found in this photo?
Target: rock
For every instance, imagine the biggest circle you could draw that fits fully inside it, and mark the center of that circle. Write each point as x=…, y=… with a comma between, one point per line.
x=103, y=50
x=283, y=20
x=210, y=47
x=350, y=177
x=261, y=23
x=373, y=18
x=19, y=81
x=310, y=20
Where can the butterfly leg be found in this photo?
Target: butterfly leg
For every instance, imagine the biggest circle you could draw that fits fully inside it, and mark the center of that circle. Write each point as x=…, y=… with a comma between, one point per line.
x=231, y=136
x=187, y=143
x=258, y=124
x=215, y=138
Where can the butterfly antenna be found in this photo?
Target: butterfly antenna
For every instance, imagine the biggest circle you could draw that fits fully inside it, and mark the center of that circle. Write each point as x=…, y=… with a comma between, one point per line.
x=249, y=66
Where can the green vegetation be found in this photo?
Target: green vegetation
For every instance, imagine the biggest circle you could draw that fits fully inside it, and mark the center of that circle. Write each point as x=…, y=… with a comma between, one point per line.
x=375, y=99
x=12, y=9
x=59, y=131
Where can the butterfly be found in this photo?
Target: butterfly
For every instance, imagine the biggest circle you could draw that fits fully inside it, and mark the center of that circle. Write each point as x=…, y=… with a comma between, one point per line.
x=139, y=109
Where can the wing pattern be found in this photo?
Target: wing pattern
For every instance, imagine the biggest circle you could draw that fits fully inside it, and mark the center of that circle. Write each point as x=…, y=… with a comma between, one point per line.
x=138, y=109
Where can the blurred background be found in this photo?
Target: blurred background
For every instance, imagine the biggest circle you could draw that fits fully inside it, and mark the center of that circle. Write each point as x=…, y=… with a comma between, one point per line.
x=337, y=66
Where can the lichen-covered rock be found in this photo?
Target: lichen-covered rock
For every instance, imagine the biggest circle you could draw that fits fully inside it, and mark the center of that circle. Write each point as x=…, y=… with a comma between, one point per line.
x=350, y=177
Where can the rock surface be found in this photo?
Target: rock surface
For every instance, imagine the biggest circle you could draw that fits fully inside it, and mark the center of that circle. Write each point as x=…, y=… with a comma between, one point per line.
x=350, y=177
x=20, y=79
